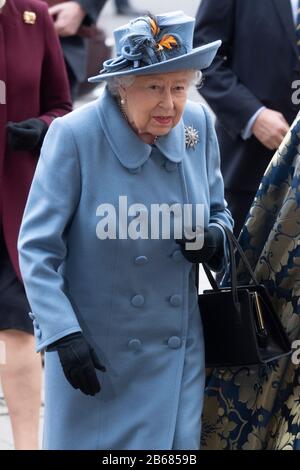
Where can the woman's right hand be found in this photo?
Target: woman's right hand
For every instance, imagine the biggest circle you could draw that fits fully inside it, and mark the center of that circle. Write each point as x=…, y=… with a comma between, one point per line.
x=79, y=362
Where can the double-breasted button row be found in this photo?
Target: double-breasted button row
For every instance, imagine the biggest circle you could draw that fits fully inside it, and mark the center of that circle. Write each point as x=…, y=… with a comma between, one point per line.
x=168, y=165
x=174, y=342
x=138, y=300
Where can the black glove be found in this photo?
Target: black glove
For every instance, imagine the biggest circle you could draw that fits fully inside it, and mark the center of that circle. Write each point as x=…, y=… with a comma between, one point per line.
x=212, y=250
x=26, y=135
x=79, y=362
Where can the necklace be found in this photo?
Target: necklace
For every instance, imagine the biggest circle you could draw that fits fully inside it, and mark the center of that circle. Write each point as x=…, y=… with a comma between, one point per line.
x=126, y=119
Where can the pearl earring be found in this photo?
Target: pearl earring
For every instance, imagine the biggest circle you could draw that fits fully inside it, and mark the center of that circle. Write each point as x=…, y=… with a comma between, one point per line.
x=122, y=101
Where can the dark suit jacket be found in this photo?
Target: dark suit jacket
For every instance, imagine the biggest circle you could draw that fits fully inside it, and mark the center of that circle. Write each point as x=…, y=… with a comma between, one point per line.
x=74, y=47
x=36, y=85
x=255, y=66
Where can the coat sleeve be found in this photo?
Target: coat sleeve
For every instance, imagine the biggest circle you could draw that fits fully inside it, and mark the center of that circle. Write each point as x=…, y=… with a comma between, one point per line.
x=52, y=201
x=232, y=102
x=55, y=91
x=218, y=206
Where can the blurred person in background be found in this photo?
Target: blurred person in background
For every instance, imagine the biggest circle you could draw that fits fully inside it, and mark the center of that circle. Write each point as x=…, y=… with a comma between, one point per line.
x=36, y=92
x=68, y=19
x=250, y=86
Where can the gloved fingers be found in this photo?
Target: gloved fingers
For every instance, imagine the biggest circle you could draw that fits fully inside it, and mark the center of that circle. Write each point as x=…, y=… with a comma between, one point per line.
x=91, y=381
x=82, y=383
x=22, y=131
x=96, y=361
x=72, y=379
x=22, y=139
x=78, y=381
x=85, y=380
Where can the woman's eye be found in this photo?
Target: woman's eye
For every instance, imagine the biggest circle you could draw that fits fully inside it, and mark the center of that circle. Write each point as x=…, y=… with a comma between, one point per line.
x=154, y=87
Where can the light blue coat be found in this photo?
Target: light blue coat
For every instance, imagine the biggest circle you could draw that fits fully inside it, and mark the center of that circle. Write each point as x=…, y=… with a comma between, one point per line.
x=134, y=300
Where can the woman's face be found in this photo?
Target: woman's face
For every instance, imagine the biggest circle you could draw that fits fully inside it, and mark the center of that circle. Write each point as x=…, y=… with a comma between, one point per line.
x=155, y=103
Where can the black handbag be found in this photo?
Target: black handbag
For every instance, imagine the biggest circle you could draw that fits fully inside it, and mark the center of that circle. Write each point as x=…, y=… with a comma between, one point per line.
x=240, y=325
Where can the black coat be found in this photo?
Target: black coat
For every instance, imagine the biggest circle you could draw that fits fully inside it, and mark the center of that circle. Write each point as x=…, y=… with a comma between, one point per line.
x=255, y=66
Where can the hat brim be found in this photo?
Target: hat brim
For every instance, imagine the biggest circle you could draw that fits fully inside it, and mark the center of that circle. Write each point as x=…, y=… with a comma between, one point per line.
x=199, y=58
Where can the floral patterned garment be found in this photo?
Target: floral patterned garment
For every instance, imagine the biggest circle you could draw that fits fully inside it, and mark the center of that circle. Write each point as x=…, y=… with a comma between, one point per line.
x=259, y=408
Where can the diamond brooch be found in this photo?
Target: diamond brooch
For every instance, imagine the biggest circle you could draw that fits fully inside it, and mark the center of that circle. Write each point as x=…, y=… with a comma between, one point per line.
x=191, y=137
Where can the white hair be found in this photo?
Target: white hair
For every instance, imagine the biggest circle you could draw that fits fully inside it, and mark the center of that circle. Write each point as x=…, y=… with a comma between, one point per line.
x=113, y=84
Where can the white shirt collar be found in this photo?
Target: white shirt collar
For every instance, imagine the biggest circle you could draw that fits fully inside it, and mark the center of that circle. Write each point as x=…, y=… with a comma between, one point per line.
x=294, y=4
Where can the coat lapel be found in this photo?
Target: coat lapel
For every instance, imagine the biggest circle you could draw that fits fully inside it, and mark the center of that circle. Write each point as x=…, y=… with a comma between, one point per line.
x=284, y=10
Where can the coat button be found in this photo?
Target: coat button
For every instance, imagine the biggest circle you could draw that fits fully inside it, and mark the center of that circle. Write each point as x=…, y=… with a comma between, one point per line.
x=138, y=300
x=135, y=345
x=141, y=260
x=174, y=342
x=177, y=256
x=135, y=171
x=175, y=300
x=37, y=329
x=38, y=333
x=170, y=166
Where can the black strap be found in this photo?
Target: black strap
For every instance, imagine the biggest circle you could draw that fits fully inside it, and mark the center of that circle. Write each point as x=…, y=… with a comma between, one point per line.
x=232, y=244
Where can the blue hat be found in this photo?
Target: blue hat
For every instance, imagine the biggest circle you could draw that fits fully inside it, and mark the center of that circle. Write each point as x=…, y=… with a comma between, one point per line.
x=157, y=44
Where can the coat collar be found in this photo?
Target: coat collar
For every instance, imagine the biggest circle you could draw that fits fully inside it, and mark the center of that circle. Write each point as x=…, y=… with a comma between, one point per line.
x=127, y=146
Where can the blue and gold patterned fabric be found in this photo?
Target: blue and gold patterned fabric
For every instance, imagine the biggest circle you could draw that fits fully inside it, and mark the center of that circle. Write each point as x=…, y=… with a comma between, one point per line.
x=259, y=407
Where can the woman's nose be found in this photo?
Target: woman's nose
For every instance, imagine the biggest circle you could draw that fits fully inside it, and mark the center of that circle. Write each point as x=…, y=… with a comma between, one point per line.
x=167, y=100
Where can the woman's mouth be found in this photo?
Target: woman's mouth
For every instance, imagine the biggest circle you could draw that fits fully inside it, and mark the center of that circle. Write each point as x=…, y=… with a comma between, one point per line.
x=164, y=120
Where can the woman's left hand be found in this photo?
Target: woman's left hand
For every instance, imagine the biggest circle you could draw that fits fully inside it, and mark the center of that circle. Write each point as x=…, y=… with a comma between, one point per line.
x=213, y=247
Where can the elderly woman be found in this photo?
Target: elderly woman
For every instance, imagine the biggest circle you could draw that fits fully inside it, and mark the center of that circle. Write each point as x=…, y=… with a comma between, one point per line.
x=114, y=303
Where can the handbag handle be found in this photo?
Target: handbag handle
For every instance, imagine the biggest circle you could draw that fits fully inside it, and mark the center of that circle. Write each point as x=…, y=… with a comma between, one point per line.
x=232, y=244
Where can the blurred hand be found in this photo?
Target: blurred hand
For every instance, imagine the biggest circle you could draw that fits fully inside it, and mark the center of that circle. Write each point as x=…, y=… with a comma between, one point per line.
x=67, y=17
x=270, y=127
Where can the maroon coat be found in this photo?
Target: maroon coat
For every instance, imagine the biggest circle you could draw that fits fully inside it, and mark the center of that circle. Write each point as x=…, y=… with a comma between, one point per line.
x=33, y=70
